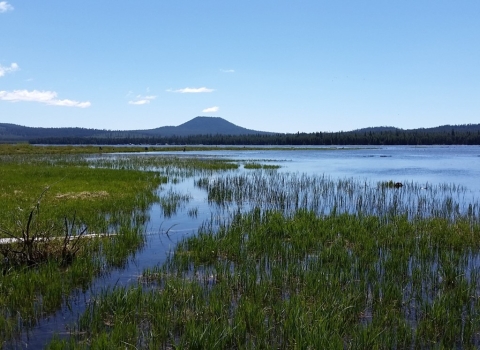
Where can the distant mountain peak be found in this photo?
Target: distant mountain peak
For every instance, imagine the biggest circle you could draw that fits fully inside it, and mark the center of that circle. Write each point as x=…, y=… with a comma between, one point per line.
x=203, y=125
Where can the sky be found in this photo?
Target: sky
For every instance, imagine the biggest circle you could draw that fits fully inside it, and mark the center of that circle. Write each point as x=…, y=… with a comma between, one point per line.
x=268, y=65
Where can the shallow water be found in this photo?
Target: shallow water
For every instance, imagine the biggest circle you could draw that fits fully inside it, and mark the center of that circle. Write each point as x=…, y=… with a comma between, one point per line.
x=427, y=166
x=423, y=164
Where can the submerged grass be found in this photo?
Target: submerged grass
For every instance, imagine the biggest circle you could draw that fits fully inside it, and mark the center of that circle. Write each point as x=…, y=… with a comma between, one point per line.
x=172, y=201
x=316, y=263
x=288, y=192
x=270, y=281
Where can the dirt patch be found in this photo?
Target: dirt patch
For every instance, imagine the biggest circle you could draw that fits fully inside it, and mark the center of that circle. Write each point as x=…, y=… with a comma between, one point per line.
x=82, y=195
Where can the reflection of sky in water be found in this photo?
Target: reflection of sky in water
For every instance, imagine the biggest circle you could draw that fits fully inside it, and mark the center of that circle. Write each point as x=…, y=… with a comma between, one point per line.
x=429, y=164
x=458, y=165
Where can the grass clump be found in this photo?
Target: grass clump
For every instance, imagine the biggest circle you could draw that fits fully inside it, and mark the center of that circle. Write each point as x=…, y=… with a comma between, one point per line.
x=254, y=165
x=172, y=201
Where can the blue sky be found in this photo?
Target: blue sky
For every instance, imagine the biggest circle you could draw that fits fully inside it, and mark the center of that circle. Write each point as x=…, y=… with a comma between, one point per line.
x=280, y=66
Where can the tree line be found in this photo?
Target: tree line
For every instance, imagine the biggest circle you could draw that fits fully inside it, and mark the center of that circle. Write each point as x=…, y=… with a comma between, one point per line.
x=374, y=138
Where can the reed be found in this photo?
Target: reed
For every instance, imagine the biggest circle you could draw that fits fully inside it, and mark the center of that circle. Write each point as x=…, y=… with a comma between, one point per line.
x=289, y=273
x=288, y=192
x=171, y=201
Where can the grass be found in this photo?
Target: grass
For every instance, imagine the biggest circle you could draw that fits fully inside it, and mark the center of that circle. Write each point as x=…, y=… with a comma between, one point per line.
x=316, y=263
x=288, y=192
x=255, y=165
x=172, y=201
x=320, y=282
x=79, y=199
x=25, y=148
x=309, y=262
x=99, y=194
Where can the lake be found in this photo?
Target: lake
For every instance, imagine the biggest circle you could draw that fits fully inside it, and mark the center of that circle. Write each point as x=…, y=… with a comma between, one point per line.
x=428, y=166
x=424, y=164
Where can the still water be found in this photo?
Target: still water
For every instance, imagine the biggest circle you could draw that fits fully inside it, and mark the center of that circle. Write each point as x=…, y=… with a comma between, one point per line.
x=423, y=164
x=432, y=165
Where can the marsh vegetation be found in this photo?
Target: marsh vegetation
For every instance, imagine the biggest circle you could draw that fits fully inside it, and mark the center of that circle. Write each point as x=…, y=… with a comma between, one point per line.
x=289, y=260
x=49, y=202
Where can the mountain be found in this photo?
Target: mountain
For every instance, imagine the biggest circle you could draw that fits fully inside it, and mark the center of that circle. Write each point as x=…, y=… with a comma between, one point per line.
x=196, y=126
x=218, y=131
x=202, y=126
x=18, y=133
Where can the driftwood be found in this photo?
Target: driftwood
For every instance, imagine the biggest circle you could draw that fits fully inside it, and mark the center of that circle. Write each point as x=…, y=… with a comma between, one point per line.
x=34, y=241
x=12, y=240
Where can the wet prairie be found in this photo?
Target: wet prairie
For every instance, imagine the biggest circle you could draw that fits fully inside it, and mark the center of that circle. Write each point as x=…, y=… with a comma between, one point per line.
x=255, y=248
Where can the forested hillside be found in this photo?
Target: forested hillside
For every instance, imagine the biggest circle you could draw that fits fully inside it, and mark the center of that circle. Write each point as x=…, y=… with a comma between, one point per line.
x=218, y=131
x=397, y=137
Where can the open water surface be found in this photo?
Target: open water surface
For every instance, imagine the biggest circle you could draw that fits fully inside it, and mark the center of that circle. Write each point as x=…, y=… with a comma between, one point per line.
x=429, y=165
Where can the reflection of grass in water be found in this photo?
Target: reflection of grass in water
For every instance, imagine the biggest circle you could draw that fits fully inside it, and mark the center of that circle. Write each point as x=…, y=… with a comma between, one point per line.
x=193, y=212
x=172, y=201
x=267, y=280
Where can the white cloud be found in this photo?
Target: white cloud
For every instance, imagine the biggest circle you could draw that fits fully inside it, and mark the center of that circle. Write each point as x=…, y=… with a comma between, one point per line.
x=188, y=90
x=142, y=100
x=227, y=70
x=13, y=67
x=70, y=103
x=47, y=97
x=5, y=6
x=139, y=102
x=211, y=109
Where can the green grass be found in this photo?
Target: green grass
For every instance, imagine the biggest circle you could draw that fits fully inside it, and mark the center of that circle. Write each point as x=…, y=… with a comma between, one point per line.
x=104, y=194
x=288, y=192
x=255, y=165
x=270, y=281
x=100, y=200
x=318, y=263
x=25, y=148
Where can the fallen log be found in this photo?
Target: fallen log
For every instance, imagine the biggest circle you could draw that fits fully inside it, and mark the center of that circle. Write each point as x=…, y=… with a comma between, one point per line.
x=12, y=240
